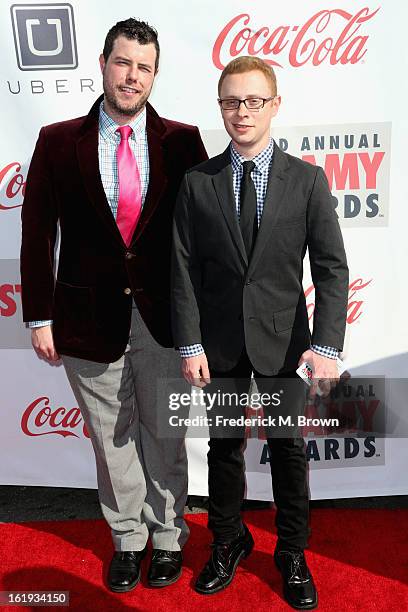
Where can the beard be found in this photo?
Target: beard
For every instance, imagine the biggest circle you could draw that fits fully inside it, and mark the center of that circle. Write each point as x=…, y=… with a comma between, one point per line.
x=125, y=110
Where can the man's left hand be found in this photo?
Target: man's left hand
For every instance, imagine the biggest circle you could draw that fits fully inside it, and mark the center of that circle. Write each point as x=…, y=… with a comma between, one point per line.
x=325, y=372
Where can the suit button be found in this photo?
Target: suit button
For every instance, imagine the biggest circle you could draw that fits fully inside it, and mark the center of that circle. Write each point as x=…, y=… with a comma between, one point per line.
x=249, y=281
x=128, y=291
x=129, y=255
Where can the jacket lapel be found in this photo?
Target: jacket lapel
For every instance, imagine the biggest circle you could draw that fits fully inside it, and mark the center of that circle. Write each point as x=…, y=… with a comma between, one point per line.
x=157, y=175
x=223, y=182
x=274, y=199
x=87, y=152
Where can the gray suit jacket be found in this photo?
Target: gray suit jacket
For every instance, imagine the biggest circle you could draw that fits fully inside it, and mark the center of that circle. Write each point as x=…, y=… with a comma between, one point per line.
x=224, y=301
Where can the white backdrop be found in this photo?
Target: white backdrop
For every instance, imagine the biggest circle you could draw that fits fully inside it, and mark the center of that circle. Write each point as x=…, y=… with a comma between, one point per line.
x=341, y=69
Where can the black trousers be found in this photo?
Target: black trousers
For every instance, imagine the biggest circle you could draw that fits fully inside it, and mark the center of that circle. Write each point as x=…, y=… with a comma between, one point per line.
x=226, y=477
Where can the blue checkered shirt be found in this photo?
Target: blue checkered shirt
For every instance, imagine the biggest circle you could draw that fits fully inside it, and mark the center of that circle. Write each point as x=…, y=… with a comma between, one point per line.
x=108, y=143
x=260, y=176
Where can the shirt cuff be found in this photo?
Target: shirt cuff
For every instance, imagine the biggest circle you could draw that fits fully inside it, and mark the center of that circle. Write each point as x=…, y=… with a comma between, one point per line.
x=325, y=351
x=33, y=324
x=191, y=351
x=196, y=349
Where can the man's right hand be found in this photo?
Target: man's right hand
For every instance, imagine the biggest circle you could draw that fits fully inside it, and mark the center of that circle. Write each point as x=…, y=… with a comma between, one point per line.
x=195, y=370
x=43, y=343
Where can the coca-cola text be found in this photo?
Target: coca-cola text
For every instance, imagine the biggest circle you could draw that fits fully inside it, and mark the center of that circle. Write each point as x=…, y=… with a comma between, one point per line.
x=331, y=36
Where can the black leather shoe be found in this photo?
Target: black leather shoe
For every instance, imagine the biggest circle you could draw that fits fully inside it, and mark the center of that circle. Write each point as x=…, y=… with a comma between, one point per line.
x=124, y=570
x=165, y=567
x=220, y=569
x=298, y=587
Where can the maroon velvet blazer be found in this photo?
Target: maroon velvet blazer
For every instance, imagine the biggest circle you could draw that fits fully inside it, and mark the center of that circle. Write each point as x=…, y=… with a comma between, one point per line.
x=91, y=300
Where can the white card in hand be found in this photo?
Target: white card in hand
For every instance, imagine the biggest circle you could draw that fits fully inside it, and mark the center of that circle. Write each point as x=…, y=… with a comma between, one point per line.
x=305, y=371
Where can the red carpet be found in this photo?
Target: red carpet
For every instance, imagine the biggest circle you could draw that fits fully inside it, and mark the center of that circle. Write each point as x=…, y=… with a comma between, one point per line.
x=358, y=558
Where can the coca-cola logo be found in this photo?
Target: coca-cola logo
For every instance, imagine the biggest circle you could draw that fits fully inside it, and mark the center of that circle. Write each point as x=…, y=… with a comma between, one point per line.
x=12, y=186
x=41, y=419
x=331, y=36
x=354, y=305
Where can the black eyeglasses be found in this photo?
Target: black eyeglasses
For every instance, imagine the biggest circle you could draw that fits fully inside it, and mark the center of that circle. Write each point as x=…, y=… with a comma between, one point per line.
x=250, y=103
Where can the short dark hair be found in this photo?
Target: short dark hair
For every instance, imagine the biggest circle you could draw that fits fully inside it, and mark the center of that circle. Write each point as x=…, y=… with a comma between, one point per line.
x=132, y=29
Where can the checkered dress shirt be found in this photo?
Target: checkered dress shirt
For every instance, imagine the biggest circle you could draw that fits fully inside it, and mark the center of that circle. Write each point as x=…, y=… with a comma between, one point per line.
x=260, y=176
x=108, y=142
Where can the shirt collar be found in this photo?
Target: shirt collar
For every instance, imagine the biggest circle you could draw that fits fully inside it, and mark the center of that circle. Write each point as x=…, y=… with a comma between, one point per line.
x=262, y=160
x=108, y=127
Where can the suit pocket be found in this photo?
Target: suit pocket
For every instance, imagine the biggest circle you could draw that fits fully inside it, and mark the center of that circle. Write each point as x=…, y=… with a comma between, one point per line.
x=284, y=319
x=289, y=238
x=290, y=221
x=73, y=307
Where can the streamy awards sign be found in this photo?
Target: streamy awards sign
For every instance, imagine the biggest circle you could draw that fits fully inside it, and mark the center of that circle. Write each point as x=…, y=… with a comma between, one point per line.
x=356, y=160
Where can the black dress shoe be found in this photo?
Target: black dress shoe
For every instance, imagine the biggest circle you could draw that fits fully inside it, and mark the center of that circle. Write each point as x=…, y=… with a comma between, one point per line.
x=298, y=587
x=165, y=567
x=220, y=569
x=124, y=570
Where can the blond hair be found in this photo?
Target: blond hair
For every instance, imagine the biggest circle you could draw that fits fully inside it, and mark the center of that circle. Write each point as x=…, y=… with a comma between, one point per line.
x=247, y=63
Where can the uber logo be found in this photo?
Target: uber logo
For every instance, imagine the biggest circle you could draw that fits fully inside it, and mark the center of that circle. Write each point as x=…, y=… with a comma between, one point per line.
x=44, y=36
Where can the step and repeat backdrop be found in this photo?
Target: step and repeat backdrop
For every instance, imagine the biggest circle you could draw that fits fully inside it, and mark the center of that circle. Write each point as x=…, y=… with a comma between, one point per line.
x=341, y=70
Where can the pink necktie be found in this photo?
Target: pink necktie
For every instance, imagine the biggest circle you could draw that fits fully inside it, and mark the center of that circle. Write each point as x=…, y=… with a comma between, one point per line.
x=130, y=190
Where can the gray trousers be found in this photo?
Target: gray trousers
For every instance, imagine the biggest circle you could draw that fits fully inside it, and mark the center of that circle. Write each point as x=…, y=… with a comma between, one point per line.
x=142, y=478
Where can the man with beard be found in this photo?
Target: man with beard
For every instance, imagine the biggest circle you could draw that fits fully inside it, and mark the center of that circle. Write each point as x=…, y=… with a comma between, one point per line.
x=110, y=180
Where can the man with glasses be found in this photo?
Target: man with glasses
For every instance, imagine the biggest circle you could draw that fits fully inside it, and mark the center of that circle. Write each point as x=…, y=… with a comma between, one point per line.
x=243, y=221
